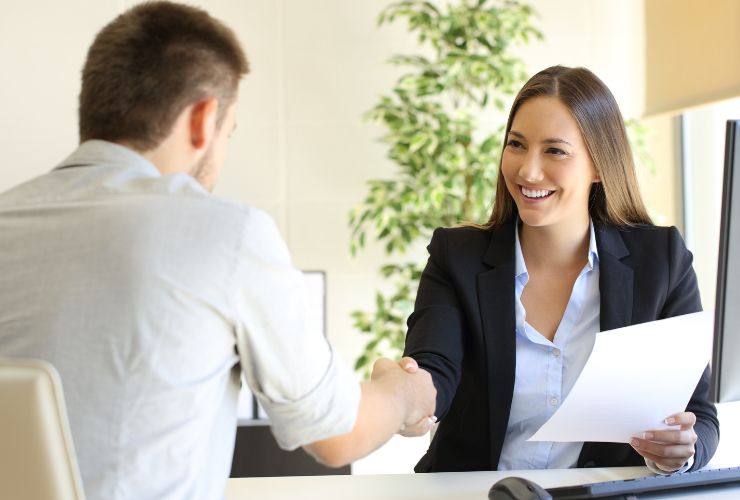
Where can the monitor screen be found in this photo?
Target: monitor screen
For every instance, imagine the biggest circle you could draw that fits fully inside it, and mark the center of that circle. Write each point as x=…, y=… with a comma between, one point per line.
x=726, y=355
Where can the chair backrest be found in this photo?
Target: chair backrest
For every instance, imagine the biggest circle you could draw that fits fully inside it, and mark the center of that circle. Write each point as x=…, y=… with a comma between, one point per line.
x=37, y=458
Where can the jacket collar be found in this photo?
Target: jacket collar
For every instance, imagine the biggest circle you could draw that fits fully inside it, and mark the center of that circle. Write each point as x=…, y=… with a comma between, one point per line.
x=609, y=240
x=616, y=278
x=501, y=247
x=496, y=299
x=616, y=288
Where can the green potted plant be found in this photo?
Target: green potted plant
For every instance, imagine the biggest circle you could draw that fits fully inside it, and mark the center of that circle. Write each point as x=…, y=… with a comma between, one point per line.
x=437, y=120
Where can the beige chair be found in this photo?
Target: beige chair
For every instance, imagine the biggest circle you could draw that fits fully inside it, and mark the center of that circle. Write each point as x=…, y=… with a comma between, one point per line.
x=37, y=458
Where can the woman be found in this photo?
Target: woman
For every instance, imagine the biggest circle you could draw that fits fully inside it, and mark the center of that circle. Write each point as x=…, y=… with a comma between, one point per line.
x=506, y=313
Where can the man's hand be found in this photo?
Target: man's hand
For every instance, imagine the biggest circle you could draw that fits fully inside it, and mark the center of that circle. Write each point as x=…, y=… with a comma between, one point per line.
x=394, y=399
x=670, y=449
x=414, y=391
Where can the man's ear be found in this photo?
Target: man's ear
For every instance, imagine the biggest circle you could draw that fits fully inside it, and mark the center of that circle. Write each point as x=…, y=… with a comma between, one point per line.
x=203, y=122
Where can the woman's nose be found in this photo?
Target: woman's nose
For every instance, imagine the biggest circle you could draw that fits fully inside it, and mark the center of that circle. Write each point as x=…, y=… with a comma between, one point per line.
x=531, y=169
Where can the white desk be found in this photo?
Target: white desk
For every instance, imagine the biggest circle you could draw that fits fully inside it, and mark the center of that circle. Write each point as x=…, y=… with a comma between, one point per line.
x=439, y=486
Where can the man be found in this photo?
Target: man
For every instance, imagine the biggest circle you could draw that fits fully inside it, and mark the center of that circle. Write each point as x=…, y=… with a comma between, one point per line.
x=148, y=293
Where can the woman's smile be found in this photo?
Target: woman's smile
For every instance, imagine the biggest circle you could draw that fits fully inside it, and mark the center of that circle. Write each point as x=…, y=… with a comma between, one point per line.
x=535, y=195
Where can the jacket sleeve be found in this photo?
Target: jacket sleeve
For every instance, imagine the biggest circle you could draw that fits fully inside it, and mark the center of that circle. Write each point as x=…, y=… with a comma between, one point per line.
x=435, y=328
x=683, y=298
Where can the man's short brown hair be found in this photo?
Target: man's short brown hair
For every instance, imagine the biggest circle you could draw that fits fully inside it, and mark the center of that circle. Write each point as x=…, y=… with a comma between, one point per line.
x=150, y=63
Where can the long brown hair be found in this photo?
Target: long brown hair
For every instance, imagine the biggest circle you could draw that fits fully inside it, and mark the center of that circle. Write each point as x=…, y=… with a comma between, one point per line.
x=616, y=199
x=150, y=63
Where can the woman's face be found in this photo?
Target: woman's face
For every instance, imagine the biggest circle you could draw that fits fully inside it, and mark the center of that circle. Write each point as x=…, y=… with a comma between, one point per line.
x=547, y=168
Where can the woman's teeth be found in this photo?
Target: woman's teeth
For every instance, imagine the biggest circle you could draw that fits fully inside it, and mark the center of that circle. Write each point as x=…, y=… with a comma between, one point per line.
x=536, y=193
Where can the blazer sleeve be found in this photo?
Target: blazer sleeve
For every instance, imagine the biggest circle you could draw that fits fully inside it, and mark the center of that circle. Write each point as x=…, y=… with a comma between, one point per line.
x=435, y=328
x=683, y=298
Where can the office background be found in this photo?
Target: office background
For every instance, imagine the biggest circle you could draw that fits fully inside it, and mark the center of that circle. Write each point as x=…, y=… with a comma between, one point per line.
x=302, y=151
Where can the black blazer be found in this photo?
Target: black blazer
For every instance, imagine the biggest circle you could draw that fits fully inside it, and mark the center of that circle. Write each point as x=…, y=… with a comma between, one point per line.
x=462, y=331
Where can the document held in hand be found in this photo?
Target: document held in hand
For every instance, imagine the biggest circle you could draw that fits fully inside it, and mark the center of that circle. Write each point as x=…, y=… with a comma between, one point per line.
x=635, y=377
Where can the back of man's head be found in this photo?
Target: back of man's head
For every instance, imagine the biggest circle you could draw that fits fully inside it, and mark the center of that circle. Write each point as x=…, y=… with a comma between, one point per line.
x=150, y=63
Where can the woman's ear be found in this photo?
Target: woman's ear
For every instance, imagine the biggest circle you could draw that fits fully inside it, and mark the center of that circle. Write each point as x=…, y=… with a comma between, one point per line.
x=203, y=122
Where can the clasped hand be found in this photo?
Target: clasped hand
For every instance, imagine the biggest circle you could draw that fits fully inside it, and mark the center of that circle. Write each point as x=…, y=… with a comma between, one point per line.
x=669, y=449
x=416, y=392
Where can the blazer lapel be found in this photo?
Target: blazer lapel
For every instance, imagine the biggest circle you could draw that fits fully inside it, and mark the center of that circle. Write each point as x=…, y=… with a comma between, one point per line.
x=496, y=296
x=615, y=279
x=616, y=295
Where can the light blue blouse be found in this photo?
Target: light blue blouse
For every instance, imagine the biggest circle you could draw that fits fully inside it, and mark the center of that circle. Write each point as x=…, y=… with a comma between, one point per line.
x=546, y=371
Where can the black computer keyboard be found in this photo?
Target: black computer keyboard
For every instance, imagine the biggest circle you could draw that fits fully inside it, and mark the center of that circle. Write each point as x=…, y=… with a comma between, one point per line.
x=623, y=488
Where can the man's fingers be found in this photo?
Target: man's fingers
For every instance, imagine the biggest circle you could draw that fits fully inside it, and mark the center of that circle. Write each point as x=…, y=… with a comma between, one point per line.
x=408, y=364
x=382, y=365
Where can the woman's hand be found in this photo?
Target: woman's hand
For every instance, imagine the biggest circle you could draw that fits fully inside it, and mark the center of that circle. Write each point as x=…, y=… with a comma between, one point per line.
x=670, y=449
x=425, y=424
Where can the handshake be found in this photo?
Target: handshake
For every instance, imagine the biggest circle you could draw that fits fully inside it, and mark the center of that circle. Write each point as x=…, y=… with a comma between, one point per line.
x=413, y=390
x=400, y=398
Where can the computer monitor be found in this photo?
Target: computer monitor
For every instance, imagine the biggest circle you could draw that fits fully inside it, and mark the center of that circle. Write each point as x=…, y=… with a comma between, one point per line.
x=725, y=385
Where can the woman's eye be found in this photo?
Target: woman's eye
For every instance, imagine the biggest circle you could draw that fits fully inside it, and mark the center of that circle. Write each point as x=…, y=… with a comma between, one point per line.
x=556, y=152
x=513, y=143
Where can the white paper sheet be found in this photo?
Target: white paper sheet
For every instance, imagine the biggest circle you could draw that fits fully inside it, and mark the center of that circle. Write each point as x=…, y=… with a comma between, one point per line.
x=635, y=377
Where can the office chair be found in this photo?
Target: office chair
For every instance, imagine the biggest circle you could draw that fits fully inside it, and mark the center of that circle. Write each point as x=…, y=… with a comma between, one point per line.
x=37, y=459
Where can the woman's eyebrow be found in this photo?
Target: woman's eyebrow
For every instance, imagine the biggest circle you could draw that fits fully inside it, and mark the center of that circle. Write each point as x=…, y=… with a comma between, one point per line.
x=516, y=134
x=554, y=140
x=550, y=140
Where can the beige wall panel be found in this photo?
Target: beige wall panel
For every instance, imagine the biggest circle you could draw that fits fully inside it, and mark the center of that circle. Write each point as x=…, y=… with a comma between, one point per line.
x=253, y=168
x=692, y=53
x=661, y=186
x=42, y=48
x=320, y=236
x=333, y=161
x=606, y=36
